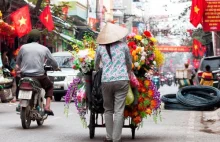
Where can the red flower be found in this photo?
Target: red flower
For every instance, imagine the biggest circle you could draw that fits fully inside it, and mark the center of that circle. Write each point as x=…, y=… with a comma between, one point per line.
x=131, y=44
x=147, y=34
x=137, y=119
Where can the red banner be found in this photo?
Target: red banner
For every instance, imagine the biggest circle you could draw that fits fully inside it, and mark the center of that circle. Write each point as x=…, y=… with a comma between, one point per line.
x=174, y=48
x=211, y=18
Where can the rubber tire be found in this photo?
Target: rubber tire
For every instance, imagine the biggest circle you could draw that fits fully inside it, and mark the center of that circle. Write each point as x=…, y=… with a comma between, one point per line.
x=40, y=122
x=25, y=120
x=169, y=98
x=179, y=106
x=92, y=125
x=192, y=103
x=57, y=98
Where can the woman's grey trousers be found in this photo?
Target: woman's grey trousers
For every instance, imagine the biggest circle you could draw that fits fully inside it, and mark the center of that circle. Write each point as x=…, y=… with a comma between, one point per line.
x=114, y=95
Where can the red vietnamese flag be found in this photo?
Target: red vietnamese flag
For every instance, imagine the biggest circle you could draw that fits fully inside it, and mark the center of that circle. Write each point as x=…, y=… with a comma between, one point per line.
x=46, y=18
x=22, y=21
x=196, y=47
x=197, y=11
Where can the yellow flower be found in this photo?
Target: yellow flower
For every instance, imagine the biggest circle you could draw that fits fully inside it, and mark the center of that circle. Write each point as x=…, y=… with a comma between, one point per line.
x=138, y=49
x=138, y=37
x=91, y=54
x=159, y=57
x=154, y=40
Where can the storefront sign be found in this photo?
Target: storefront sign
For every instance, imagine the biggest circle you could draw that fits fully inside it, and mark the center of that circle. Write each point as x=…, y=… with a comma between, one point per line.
x=174, y=48
x=211, y=18
x=92, y=23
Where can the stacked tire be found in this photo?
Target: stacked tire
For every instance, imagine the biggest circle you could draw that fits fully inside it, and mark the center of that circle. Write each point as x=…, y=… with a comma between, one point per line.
x=197, y=98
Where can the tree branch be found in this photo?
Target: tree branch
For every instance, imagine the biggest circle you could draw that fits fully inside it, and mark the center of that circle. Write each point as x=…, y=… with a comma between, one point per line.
x=38, y=4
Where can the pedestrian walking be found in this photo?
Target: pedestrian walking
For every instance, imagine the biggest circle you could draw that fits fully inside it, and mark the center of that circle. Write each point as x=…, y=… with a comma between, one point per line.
x=116, y=62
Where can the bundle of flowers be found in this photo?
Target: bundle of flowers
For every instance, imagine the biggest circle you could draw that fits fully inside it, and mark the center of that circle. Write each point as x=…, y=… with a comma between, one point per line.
x=84, y=60
x=148, y=103
x=142, y=50
x=76, y=91
x=84, y=56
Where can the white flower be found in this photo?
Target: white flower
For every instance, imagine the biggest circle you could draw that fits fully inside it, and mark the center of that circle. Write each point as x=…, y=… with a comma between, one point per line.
x=143, y=58
x=142, y=49
x=83, y=53
x=154, y=62
x=136, y=64
x=144, y=53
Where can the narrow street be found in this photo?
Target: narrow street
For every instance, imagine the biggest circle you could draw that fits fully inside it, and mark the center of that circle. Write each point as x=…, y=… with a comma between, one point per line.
x=176, y=126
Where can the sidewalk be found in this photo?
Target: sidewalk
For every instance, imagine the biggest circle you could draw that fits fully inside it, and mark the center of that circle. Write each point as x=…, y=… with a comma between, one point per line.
x=211, y=121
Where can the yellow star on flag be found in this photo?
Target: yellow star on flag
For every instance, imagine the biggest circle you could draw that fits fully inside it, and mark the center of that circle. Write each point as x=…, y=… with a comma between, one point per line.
x=47, y=18
x=196, y=47
x=196, y=9
x=22, y=21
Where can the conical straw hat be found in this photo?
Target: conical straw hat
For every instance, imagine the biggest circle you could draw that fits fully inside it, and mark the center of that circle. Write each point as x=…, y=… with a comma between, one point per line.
x=111, y=33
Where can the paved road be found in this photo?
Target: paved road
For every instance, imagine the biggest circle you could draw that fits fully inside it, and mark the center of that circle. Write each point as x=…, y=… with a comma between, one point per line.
x=176, y=126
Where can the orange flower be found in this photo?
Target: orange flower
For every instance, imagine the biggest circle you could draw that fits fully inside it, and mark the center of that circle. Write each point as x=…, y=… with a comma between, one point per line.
x=143, y=90
x=148, y=111
x=135, y=113
x=135, y=58
x=150, y=93
x=147, y=82
x=153, y=104
x=137, y=119
x=81, y=59
x=134, y=53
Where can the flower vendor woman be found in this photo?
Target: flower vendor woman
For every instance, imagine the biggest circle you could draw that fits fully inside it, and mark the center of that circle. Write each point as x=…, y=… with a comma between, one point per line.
x=115, y=57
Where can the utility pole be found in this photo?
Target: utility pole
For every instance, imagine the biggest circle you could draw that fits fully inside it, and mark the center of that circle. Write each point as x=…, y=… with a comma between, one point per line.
x=97, y=15
x=214, y=43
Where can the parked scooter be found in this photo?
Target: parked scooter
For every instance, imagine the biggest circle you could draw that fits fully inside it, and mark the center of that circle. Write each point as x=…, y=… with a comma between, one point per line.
x=32, y=101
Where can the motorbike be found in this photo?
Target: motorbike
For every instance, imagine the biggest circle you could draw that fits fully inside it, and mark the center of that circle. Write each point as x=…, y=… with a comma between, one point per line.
x=6, y=73
x=169, y=81
x=32, y=101
x=156, y=81
x=162, y=81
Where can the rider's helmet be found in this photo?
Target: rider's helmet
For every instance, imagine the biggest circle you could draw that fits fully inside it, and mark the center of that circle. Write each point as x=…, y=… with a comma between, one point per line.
x=34, y=36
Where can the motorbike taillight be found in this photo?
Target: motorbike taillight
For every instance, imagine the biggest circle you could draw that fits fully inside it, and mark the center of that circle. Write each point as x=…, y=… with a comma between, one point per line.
x=26, y=86
x=200, y=74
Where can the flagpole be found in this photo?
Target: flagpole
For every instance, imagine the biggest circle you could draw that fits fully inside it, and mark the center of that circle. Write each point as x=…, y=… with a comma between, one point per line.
x=214, y=43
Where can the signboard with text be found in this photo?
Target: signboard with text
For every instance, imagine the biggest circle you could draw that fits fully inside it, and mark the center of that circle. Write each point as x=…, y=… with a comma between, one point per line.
x=174, y=48
x=211, y=18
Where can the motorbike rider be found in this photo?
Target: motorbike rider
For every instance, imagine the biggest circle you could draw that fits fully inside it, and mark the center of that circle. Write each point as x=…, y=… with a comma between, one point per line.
x=31, y=58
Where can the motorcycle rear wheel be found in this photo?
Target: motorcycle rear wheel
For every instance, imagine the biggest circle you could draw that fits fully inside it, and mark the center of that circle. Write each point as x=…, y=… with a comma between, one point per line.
x=25, y=117
x=40, y=122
